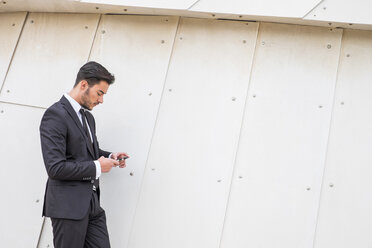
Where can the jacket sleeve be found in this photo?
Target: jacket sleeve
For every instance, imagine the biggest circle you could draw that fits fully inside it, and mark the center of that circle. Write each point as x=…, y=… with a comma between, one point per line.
x=53, y=133
x=104, y=153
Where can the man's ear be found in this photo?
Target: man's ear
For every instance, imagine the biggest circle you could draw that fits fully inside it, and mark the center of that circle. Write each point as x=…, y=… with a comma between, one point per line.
x=83, y=84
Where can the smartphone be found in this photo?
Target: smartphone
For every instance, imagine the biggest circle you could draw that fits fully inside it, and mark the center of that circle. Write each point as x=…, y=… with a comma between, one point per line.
x=123, y=158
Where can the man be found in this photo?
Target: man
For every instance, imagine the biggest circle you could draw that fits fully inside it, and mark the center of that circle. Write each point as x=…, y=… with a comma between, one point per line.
x=74, y=162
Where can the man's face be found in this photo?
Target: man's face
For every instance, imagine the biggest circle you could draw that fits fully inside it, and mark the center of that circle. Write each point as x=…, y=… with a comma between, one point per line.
x=92, y=96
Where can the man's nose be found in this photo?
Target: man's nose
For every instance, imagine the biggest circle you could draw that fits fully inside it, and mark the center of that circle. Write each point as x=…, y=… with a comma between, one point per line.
x=100, y=99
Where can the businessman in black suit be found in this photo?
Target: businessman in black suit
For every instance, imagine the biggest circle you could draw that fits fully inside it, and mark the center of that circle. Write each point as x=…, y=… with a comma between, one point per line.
x=74, y=162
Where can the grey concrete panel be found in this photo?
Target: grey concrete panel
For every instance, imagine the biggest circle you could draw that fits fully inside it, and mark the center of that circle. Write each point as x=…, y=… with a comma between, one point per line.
x=277, y=180
x=282, y=8
x=50, y=52
x=342, y=11
x=187, y=178
x=137, y=50
x=346, y=201
x=10, y=28
x=23, y=176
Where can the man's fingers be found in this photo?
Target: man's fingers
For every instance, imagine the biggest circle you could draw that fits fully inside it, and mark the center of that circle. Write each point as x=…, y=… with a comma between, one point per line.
x=122, y=155
x=114, y=162
x=119, y=158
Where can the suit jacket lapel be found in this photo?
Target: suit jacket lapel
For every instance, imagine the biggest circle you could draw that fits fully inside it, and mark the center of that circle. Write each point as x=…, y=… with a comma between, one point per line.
x=93, y=130
x=73, y=115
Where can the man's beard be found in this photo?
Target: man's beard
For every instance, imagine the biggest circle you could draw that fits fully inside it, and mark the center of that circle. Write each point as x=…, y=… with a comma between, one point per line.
x=85, y=102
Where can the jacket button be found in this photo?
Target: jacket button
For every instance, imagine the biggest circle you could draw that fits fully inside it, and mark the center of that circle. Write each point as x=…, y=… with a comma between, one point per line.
x=92, y=181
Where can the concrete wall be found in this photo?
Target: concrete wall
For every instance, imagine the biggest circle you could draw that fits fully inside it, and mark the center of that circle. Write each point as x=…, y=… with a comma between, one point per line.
x=330, y=13
x=241, y=134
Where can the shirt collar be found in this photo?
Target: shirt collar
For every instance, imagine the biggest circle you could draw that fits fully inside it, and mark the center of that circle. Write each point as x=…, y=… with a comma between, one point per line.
x=75, y=105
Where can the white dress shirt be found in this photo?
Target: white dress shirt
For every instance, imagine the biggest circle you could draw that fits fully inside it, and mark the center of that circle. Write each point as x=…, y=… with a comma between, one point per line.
x=76, y=106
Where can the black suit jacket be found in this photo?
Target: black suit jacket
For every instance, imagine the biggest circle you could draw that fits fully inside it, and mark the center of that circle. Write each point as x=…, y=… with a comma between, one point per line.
x=68, y=158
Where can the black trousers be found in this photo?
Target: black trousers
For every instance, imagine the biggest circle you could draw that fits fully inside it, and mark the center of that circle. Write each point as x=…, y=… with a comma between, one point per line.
x=90, y=232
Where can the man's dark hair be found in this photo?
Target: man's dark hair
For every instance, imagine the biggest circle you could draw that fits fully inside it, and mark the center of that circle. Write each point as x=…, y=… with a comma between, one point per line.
x=94, y=72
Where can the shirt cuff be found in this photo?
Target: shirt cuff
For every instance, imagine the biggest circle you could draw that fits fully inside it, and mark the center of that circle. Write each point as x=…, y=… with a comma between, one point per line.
x=110, y=155
x=98, y=169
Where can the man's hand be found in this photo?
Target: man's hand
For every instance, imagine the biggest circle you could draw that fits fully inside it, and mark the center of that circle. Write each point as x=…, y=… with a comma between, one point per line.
x=119, y=155
x=107, y=163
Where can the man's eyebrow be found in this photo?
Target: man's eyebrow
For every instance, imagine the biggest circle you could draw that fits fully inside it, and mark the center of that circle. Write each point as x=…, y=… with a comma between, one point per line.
x=101, y=91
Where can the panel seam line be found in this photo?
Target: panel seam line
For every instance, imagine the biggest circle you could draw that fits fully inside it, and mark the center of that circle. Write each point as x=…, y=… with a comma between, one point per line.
x=22, y=105
x=240, y=133
x=94, y=37
x=153, y=132
x=328, y=139
x=14, y=52
x=316, y=6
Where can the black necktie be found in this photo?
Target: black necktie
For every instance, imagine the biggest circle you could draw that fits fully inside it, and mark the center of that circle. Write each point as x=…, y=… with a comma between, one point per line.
x=85, y=127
